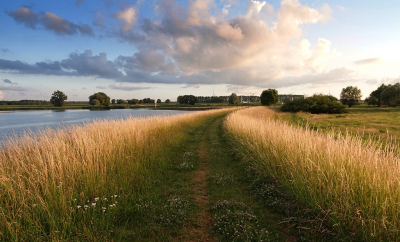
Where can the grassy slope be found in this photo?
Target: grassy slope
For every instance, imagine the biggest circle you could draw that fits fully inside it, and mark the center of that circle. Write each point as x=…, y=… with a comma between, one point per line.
x=62, y=185
x=349, y=184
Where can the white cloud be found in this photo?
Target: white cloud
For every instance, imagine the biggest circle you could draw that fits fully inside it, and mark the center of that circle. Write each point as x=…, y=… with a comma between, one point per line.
x=128, y=16
x=225, y=9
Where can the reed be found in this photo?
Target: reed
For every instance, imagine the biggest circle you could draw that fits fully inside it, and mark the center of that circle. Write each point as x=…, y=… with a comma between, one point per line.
x=354, y=184
x=67, y=184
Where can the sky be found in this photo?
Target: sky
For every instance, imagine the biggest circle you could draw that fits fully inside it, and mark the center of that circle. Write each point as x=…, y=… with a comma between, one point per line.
x=161, y=49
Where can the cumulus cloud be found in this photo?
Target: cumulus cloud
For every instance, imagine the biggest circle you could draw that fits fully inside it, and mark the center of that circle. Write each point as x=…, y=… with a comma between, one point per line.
x=192, y=45
x=49, y=21
x=128, y=18
x=368, y=61
x=126, y=87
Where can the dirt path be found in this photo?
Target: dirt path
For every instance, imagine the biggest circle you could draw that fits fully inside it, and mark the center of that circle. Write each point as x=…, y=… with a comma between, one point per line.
x=199, y=229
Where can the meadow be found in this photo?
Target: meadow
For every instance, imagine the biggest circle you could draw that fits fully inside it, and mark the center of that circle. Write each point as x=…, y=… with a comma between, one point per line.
x=233, y=174
x=349, y=184
x=379, y=124
x=85, y=183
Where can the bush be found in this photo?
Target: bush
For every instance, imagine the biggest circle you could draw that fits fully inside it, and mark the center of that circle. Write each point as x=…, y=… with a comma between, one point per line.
x=318, y=103
x=269, y=97
x=101, y=97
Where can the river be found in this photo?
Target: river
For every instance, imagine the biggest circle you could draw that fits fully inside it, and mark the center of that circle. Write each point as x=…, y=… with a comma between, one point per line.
x=16, y=122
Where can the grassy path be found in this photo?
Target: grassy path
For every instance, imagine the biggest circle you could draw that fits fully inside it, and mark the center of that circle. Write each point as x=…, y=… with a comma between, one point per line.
x=225, y=209
x=204, y=193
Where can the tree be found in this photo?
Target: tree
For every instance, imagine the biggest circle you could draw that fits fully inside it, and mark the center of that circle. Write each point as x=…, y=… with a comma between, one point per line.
x=133, y=101
x=103, y=99
x=148, y=100
x=121, y=101
x=187, y=99
x=269, y=97
x=58, y=98
x=216, y=100
x=233, y=99
x=391, y=95
x=167, y=101
x=95, y=102
x=158, y=100
x=375, y=96
x=350, y=96
x=113, y=101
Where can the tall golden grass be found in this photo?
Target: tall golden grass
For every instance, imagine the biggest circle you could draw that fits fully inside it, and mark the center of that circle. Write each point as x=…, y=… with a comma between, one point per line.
x=355, y=184
x=46, y=179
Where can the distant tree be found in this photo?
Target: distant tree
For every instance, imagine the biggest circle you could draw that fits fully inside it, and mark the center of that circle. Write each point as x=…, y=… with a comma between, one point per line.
x=233, y=99
x=58, y=98
x=350, y=96
x=375, y=96
x=133, y=101
x=121, y=101
x=113, y=101
x=101, y=97
x=269, y=97
x=148, y=100
x=187, y=99
x=216, y=100
x=140, y=101
x=167, y=101
x=95, y=102
x=318, y=103
x=391, y=95
x=158, y=100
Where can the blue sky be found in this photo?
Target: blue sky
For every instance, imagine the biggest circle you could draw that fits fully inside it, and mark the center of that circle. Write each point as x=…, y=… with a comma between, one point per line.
x=162, y=49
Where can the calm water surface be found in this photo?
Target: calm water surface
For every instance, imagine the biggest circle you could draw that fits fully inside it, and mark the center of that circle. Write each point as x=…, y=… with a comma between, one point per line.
x=16, y=122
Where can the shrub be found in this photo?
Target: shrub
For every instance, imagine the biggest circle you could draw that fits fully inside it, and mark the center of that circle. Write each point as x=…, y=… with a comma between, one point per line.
x=269, y=97
x=318, y=103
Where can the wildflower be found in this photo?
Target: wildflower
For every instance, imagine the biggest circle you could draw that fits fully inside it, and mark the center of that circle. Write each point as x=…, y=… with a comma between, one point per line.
x=93, y=204
x=96, y=199
x=104, y=208
x=86, y=206
x=115, y=195
x=78, y=206
x=34, y=205
x=105, y=199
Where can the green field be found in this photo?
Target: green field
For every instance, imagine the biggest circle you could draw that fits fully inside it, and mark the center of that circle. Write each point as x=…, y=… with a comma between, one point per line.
x=367, y=122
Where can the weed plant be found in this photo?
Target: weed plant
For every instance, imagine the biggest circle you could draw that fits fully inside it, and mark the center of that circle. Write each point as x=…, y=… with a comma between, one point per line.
x=352, y=184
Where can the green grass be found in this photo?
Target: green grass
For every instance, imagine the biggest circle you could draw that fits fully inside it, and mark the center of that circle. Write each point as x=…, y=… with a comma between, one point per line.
x=380, y=124
x=237, y=215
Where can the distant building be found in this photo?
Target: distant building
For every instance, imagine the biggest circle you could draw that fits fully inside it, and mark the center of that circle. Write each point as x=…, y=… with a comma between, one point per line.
x=288, y=97
x=249, y=99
